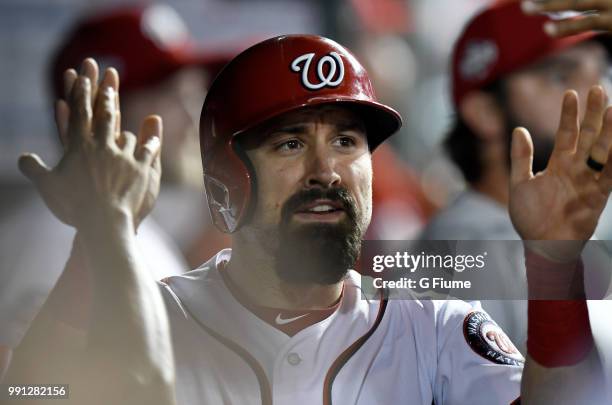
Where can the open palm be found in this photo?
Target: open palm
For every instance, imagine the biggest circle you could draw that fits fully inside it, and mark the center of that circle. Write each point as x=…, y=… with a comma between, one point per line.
x=102, y=167
x=564, y=201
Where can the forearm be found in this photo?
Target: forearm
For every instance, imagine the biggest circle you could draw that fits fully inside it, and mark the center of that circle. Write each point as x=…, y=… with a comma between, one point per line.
x=57, y=333
x=5, y=360
x=563, y=365
x=119, y=339
x=129, y=326
x=582, y=383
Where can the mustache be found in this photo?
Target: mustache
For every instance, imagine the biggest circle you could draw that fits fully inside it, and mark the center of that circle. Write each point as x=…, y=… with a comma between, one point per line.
x=303, y=197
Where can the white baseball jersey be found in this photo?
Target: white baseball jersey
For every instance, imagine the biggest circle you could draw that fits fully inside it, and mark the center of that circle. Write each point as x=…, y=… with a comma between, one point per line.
x=366, y=352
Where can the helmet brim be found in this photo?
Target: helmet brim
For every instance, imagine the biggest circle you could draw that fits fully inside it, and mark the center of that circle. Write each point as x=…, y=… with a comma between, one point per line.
x=381, y=121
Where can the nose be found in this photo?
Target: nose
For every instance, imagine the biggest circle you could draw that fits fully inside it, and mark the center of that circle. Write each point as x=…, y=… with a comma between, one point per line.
x=321, y=171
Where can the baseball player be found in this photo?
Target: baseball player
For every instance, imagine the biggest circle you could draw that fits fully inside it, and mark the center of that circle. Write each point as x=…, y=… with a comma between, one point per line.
x=503, y=78
x=287, y=130
x=156, y=57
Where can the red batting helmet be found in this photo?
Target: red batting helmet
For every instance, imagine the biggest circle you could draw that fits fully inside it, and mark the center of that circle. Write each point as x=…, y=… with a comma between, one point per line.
x=273, y=77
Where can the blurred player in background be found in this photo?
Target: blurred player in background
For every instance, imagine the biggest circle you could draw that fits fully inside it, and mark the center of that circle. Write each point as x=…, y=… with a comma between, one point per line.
x=508, y=72
x=163, y=72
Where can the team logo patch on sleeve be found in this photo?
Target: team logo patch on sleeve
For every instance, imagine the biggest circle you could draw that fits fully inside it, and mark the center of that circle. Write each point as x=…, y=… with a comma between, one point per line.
x=488, y=340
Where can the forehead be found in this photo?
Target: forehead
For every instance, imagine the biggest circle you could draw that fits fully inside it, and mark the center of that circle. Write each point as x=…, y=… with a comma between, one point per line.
x=328, y=114
x=301, y=121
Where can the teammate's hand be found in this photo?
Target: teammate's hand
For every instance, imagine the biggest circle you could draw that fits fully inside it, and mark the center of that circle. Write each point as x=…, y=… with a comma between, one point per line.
x=90, y=69
x=100, y=172
x=564, y=201
x=598, y=18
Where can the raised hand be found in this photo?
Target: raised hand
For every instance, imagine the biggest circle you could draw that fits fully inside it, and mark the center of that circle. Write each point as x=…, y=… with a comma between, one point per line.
x=62, y=118
x=103, y=171
x=564, y=201
x=599, y=16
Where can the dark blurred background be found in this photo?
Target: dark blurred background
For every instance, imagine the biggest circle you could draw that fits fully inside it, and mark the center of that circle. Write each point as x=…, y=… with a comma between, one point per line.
x=404, y=43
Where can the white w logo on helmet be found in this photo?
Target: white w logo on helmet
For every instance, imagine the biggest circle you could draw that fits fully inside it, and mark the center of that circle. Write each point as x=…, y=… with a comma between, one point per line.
x=335, y=66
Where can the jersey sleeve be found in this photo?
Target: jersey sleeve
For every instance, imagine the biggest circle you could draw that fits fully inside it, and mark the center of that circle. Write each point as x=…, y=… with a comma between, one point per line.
x=477, y=362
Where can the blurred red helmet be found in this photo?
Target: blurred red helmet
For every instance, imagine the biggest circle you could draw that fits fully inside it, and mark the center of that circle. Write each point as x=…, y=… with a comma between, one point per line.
x=271, y=78
x=498, y=41
x=146, y=44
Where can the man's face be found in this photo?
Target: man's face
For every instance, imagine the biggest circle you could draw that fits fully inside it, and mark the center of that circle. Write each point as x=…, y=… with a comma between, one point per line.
x=314, y=191
x=534, y=94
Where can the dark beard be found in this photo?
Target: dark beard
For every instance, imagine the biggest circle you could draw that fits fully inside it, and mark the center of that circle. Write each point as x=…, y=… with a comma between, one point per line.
x=318, y=253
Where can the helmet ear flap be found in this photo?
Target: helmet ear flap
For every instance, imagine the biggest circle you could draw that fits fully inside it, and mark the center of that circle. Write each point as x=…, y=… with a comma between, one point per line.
x=251, y=199
x=228, y=183
x=217, y=195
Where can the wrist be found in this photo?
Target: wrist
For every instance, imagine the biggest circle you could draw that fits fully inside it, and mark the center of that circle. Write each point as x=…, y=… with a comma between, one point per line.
x=550, y=280
x=104, y=220
x=557, y=251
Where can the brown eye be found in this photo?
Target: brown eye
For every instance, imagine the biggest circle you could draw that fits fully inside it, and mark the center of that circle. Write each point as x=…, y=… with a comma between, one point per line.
x=292, y=144
x=345, y=141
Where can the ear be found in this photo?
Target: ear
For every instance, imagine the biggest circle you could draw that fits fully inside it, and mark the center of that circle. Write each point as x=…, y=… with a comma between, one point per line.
x=483, y=114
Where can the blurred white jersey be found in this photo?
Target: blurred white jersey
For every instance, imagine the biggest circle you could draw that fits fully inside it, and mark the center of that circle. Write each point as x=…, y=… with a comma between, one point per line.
x=35, y=247
x=366, y=352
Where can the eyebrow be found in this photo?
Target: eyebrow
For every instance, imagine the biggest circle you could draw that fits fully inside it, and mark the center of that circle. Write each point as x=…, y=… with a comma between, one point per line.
x=352, y=126
x=289, y=129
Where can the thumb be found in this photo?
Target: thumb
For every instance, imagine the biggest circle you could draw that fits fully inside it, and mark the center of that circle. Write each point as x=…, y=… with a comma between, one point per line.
x=521, y=156
x=33, y=167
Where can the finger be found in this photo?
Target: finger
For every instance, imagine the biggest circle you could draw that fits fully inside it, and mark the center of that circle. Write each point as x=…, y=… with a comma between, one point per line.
x=603, y=144
x=89, y=68
x=104, y=117
x=111, y=79
x=114, y=76
x=601, y=148
x=149, y=139
x=156, y=166
x=62, y=116
x=33, y=168
x=79, y=127
x=572, y=26
x=533, y=7
x=70, y=76
x=567, y=134
x=591, y=124
x=127, y=142
x=118, y=115
x=521, y=157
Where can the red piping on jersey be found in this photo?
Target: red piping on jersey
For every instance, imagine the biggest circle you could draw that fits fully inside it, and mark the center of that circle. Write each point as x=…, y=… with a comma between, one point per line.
x=264, y=385
x=346, y=355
